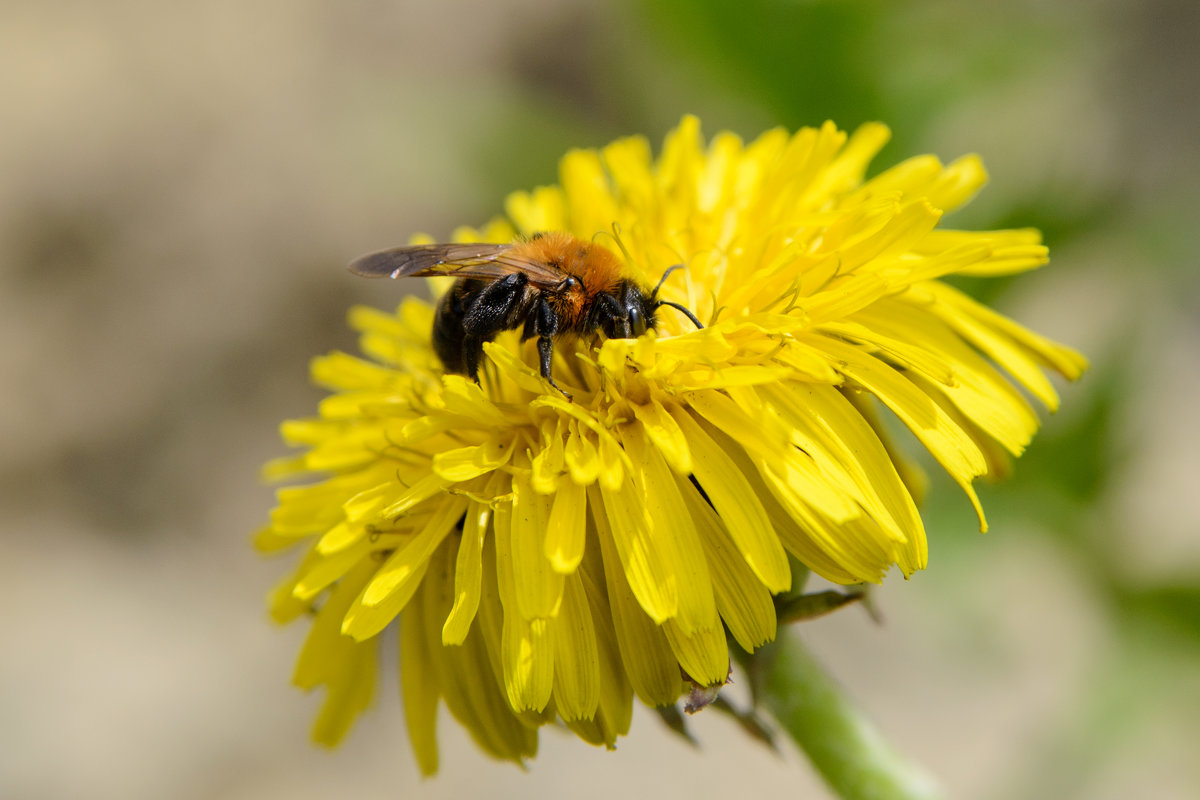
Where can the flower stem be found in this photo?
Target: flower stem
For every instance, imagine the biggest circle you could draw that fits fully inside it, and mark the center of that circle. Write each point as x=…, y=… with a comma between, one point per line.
x=844, y=747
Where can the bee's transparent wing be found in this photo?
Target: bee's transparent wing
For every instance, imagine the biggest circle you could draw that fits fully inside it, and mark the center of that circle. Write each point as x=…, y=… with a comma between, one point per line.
x=484, y=261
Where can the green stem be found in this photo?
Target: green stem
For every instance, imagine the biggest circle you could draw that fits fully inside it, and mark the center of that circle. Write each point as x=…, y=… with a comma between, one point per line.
x=844, y=747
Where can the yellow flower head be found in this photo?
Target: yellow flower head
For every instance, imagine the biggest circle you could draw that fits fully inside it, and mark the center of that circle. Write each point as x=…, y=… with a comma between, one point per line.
x=549, y=558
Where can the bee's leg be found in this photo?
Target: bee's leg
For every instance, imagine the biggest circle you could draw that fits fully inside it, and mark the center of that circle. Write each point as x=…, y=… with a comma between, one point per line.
x=545, y=352
x=611, y=317
x=472, y=349
x=489, y=313
x=545, y=325
x=492, y=309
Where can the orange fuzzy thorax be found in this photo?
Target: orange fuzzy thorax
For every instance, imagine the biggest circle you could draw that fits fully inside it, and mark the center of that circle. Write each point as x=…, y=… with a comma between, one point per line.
x=596, y=267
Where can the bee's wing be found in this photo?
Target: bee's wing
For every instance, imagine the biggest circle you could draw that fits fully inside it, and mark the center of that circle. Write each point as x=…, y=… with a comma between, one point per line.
x=485, y=261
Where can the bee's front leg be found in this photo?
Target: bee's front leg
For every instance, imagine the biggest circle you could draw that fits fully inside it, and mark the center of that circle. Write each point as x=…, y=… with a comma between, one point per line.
x=545, y=326
x=611, y=317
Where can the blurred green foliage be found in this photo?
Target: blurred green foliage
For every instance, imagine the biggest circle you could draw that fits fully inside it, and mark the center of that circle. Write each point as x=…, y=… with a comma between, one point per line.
x=801, y=62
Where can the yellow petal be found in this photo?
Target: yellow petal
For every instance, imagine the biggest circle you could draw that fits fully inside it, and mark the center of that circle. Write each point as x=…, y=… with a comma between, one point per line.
x=625, y=516
x=463, y=397
x=282, y=605
x=583, y=460
x=926, y=347
x=534, y=212
x=538, y=586
x=397, y=579
x=342, y=372
x=325, y=650
x=717, y=180
x=832, y=424
x=948, y=443
x=576, y=664
x=590, y=201
x=738, y=505
x=345, y=667
x=419, y=689
x=743, y=601
x=565, y=531
x=999, y=337
x=468, y=573
x=320, y=571
x=666, y=435
x=768, y=441
x=643, y=647
x=615, y=709
x=526, y=645
x=548, y=463
x=673, y=534
x=844, y=548
x=910, y=177
x=527, y=649
x=613, y=462
x=465, y=463
x=468, y=676
x=847, y=170
x=703, y=654
x=958, y=183
x=911, y=222
x=348, y=697
x=419, y=492
x=628, y=163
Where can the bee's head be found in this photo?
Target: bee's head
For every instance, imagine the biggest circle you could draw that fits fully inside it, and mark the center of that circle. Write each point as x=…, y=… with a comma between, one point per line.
x=633, y=316
x=638, y=313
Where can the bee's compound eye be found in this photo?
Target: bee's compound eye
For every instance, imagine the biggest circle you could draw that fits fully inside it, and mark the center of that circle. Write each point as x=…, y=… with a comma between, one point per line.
x=637, y=321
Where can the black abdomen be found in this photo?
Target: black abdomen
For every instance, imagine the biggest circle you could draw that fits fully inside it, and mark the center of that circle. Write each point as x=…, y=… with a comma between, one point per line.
x=448, y=325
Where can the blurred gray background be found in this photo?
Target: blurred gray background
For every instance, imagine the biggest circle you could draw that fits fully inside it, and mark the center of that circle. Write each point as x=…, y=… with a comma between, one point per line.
x=181, y=185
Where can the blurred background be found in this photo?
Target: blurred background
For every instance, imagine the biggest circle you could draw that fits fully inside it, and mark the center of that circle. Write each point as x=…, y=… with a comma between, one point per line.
x=182, y=183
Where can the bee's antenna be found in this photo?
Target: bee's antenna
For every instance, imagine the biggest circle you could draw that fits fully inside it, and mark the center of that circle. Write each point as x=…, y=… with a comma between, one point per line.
x=684, y=309
x=656, y=302
x=662, y=280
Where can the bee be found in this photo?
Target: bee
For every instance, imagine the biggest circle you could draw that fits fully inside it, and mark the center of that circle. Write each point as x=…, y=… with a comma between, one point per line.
x=551, y=285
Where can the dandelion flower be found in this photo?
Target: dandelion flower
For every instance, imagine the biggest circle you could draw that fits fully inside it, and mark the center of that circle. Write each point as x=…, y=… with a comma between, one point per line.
x=548, y=559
